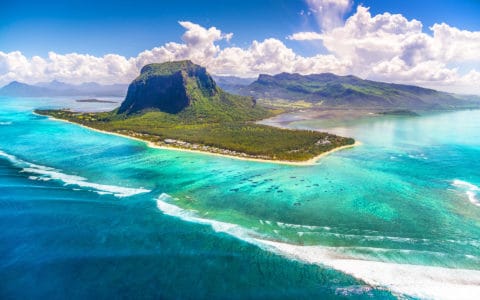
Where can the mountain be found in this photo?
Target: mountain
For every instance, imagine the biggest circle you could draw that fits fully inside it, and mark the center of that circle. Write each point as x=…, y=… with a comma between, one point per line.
x=186, y=89
x=178, y=104
x=55, y=85
x=232, y=84
x=58, y=88
x=331, y=90
x=19, y=89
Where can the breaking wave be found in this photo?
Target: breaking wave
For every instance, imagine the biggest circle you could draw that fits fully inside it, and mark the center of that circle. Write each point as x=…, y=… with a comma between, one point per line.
x=472, y=191
x=413, y=280
x=44, y=173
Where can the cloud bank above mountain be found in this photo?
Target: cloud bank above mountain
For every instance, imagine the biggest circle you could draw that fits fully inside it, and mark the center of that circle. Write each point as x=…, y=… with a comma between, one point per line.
x=386, y=47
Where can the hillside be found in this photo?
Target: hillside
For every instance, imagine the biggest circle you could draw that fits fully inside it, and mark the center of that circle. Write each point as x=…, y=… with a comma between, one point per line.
x=331, y=90
x=57, y=88
x=178, y=104
x=187, y=90
x=18, y=89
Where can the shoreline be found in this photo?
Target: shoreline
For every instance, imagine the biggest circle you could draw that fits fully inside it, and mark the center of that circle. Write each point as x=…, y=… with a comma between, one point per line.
x=310, y=162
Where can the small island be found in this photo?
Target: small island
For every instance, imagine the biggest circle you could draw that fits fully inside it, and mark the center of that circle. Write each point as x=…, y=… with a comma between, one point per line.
x=94, y=101
x=399, y=112
x=178, y=105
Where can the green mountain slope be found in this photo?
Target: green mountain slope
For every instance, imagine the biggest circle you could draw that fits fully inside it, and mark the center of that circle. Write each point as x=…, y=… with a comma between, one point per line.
x=188, y=91
x=232, y=84
x=349, y=91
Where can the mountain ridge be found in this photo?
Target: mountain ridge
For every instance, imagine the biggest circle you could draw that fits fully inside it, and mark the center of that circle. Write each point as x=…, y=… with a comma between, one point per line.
x=57, y=88
x=330, y=90
x=326, y=90
x=232, y=84
x=188, y=90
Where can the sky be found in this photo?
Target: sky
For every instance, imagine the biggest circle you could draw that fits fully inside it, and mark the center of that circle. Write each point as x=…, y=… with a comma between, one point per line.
x=429, y=43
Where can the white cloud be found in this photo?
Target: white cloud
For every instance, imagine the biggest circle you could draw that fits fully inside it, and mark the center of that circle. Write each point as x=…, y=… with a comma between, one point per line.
x=199, y=45
x=305, y=36
x=365, y=39
x=386, y=47
x=329, y=13
x=390, y=47
x=271, y=56
x=73, y=67
x=455, y=45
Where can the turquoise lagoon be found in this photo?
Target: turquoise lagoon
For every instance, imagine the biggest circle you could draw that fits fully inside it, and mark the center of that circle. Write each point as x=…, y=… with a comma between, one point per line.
x=86, y=214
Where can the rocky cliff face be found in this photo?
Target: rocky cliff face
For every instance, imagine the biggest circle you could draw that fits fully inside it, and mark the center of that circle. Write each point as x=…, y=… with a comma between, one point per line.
x=169, y=87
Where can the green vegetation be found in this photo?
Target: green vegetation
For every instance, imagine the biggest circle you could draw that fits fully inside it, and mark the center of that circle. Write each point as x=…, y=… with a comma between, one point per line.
x=233, y=138
x=178, y=104
x=399, y=112
x=285, y=105
x=94, y=101
x=349, y=92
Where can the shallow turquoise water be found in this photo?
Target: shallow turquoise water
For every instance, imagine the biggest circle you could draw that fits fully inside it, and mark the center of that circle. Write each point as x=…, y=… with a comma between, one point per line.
x=90, y=214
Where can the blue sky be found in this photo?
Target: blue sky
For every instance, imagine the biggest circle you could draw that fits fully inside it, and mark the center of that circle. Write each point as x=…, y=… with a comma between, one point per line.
x=129, y=27
x=430, y=43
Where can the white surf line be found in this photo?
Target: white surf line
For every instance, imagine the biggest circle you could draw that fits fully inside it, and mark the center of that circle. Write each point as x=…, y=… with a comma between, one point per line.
x=424, y=282
x=470, y=189
x=47, y=173
x=419, y=281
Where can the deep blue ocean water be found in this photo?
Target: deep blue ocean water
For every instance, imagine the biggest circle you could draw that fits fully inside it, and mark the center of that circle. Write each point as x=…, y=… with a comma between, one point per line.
x=90, y=215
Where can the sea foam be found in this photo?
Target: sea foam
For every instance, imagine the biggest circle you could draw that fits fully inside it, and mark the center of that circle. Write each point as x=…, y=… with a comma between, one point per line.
x=44, y=173
x=414, y=280
x=470, y=190
x=190, y=216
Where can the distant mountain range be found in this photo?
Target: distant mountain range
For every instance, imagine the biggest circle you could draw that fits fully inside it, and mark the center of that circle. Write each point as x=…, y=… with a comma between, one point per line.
x=232, y=84
x=331, y=90
x=326, y=89
x=57, y=88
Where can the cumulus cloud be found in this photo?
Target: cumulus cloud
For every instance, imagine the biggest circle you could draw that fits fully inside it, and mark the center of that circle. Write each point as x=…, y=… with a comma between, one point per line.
x=329, y=13
x=366, y=39
x=73, y=67
x=390, y=47
x=305, y=36
x=199, y=45
x=386, y=47
x=455, y=45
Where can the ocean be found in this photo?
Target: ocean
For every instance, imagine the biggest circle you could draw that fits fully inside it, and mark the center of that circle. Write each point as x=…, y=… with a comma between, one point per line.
x=91, y=215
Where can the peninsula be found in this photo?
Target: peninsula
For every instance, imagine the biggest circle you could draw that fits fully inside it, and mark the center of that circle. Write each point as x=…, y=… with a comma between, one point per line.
x=179, y=105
